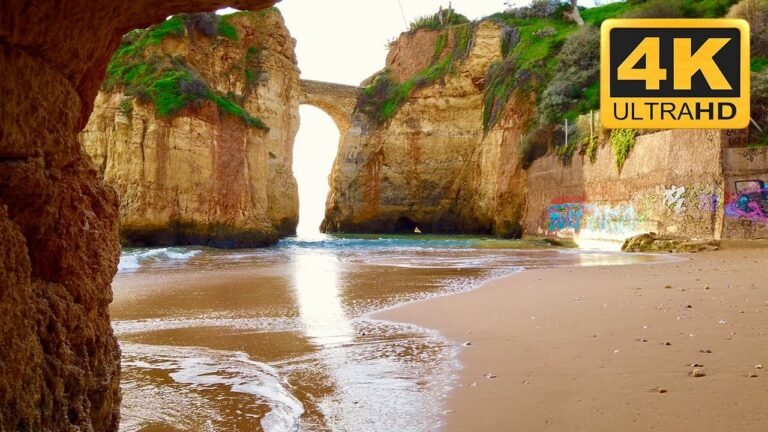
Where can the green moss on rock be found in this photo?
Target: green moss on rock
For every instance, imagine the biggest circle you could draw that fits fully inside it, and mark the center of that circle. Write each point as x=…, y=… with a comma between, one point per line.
x=169, y=82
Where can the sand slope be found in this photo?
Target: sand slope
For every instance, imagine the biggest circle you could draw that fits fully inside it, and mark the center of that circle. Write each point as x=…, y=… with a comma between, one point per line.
x=583, y=349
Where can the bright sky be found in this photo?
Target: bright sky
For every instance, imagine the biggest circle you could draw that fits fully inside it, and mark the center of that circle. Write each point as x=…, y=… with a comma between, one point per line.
x=344, y=41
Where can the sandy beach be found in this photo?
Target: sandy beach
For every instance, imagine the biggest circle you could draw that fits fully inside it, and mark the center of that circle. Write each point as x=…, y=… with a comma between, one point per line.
x=611, y=348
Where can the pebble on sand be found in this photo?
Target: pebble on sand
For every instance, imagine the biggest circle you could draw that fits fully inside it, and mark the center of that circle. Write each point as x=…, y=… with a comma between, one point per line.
x=696, y=365
x=697, y=373
x=467, y=343
x=490, y=375
x=751, y=375
x=705, y=351
x=759, y=366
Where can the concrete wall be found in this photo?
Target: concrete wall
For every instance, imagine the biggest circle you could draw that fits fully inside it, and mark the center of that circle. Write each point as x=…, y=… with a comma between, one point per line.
x=676, y=182
x=746, y=207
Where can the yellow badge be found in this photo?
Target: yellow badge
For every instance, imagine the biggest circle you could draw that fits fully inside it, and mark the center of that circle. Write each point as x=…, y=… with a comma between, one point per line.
x=674, y=73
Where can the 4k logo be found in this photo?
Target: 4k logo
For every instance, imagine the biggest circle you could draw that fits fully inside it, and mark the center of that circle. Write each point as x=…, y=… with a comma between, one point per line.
x=674, y=73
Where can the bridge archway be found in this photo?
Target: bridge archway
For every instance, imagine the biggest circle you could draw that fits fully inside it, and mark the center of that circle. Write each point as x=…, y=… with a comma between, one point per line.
x=337, y=100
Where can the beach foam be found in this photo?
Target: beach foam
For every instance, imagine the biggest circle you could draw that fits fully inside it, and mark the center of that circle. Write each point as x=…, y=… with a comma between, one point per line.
x=203, y=369
x=132, y=259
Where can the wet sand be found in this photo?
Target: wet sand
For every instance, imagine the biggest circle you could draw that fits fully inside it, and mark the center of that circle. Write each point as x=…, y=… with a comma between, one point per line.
x=610, y=348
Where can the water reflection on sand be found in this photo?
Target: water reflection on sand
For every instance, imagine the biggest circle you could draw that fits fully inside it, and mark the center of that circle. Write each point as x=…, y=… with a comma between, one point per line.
x=277, y=339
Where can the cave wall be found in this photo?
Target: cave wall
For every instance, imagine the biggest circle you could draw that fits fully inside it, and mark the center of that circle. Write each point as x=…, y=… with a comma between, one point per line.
x=59, y=366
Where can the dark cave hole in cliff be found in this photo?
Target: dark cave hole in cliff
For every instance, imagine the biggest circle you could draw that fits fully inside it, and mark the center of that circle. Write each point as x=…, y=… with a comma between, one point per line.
x=405, y=225
x=314, y=151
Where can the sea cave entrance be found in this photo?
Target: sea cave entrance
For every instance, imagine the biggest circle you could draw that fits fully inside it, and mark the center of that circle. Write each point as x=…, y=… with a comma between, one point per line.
x=314, y=151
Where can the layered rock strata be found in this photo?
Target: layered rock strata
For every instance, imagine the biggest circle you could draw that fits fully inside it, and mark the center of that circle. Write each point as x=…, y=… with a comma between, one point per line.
x=203, y=175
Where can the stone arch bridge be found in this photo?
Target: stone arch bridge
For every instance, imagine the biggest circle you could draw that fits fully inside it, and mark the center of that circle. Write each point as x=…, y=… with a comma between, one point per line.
x=337, y=100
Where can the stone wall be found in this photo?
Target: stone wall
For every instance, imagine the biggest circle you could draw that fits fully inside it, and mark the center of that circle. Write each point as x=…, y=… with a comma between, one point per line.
x=746, y=199
x=674, y=182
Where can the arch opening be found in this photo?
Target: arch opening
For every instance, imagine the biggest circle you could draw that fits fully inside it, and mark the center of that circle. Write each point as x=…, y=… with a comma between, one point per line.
x=314, y=151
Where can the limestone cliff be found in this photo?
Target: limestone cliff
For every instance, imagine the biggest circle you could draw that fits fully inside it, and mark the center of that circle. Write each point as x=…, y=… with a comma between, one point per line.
x=209, y=160
x=417, y=153
x=60, y=363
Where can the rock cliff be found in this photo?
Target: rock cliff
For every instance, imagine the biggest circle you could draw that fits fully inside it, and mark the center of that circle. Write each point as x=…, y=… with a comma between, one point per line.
x=417, y=154
x=60, y=363
x=208, y=161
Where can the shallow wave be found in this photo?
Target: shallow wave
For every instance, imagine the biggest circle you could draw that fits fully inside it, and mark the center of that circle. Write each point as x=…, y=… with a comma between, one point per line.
x=133, y=259
x=203, y=369
x=404, y=242
x=261, y=324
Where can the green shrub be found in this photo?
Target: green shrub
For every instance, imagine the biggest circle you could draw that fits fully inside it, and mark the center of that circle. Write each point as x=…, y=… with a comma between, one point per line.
x=567, y=150
x=227, y=30
x=758, y=64
x=679, y=9
x=228, y=106
x=442, y=39
x=538, y=9
x=448, y=17
x=167, y=82
x=383, y=96
x=759, y=108
x=756, y=13
x=254, y=71
x=501, y=81
x=578, y=71
x=589, y=144
x=126, y=106
x=622, y=142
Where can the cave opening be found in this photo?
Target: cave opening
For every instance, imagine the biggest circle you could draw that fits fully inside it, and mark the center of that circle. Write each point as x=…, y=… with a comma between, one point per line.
x=314, y=151
x=405, y=224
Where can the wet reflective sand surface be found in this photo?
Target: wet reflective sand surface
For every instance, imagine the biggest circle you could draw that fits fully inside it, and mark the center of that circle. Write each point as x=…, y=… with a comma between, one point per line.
x=277, y=339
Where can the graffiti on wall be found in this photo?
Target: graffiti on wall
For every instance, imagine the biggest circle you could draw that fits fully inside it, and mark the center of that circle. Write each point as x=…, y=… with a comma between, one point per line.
x=708, y=202
x=674, y=199
x=571, y=219
x=750, y=202
x=565, y=217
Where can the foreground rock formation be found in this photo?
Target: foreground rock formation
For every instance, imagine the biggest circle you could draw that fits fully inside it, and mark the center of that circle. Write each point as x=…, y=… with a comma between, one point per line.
x=59, y=366
x=202, y=175
x=432, y=165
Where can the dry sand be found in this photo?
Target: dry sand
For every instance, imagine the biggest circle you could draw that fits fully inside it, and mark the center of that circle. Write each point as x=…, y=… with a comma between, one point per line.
x=589, y=349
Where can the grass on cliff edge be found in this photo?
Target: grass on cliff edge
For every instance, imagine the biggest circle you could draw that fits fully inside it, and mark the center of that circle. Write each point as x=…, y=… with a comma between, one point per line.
x=169, y=82
x=384, y=96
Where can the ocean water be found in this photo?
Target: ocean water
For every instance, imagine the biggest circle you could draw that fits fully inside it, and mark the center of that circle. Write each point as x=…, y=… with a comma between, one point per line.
x=280, y=338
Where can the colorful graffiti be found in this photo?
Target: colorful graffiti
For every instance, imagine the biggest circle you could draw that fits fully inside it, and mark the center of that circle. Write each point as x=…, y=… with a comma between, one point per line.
x=708, y=202
x=566, y=216
x=674, y=199
x=574, y=218
x=751, y=201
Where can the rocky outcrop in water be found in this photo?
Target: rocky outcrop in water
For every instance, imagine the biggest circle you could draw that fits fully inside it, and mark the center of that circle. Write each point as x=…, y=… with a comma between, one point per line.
x=425, y=160
x=59, y=365
x=214, y=166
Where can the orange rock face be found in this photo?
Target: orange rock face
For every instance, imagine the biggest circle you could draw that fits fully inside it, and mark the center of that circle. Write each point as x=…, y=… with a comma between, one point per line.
x=59, y=362
x=203, y=176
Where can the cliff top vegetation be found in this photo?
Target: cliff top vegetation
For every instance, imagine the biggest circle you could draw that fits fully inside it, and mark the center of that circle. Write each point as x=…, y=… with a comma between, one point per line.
x=141, y=70
x=546, y=53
